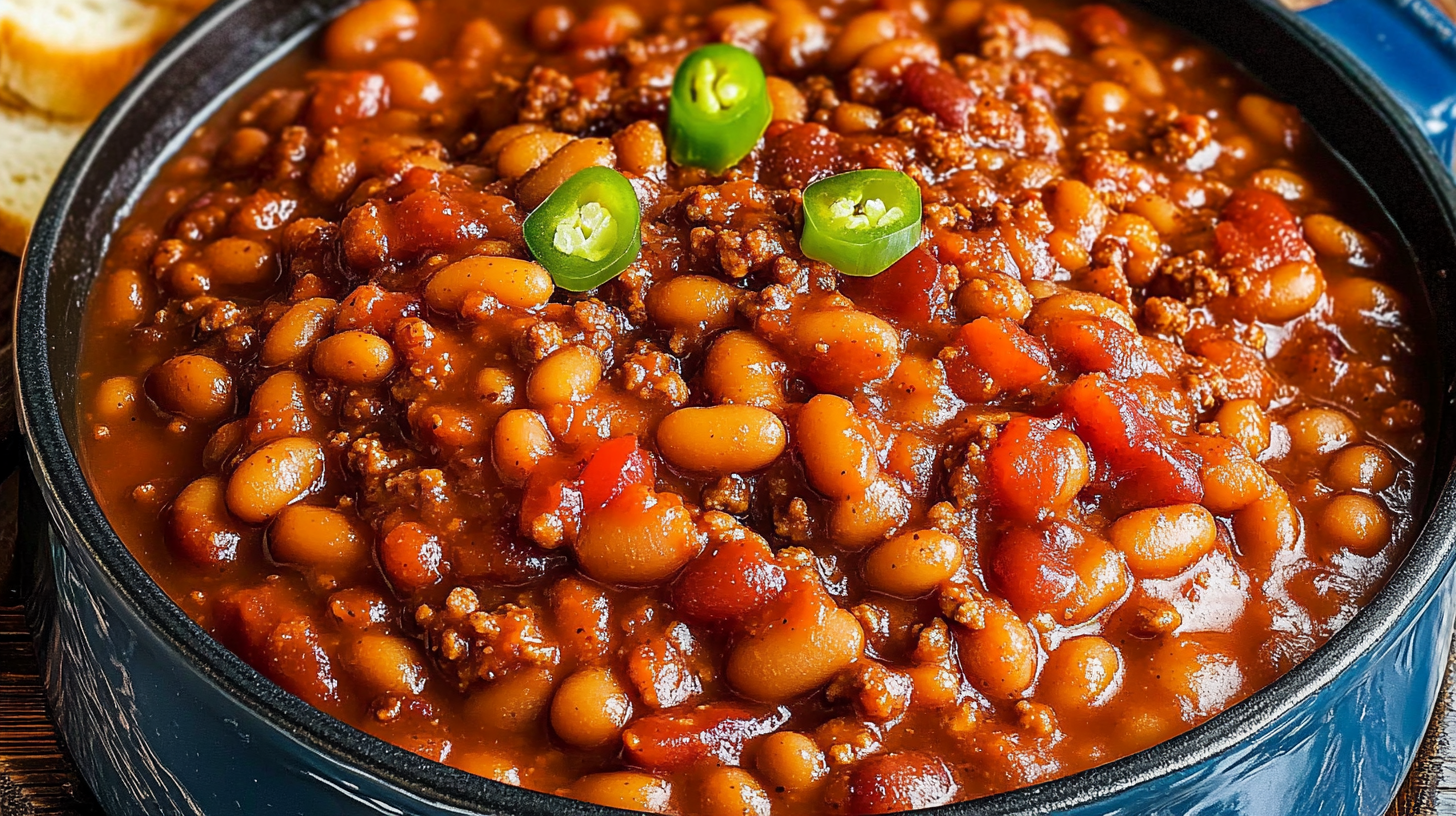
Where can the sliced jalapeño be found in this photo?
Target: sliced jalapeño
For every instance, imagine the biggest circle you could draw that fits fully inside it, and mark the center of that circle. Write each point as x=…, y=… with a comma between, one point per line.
x=719, y=108
x=861, y=222
x=588, y=231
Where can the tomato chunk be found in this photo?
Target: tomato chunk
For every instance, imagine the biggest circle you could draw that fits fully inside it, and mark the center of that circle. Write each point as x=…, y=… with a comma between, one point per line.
x=267, y=627
x=713, y=733
x=1143, y=466
x=995, y=355
x=1036, y=467
x=297, y=661
x=376, y=309
x=1058, y=570
x=798, y=155
x=552, y=505
x=618, y=464
x=247, y=616
x=913, y=288
x=729, y=581
x=1258, y=231
x=428, y=220
x=1084, y=343
x=936, y=90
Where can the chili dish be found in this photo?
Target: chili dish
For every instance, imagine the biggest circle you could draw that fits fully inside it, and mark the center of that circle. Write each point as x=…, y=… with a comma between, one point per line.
x=792, y=408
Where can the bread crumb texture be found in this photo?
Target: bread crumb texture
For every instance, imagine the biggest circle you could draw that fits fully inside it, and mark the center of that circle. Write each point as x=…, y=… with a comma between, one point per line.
x=61, y=62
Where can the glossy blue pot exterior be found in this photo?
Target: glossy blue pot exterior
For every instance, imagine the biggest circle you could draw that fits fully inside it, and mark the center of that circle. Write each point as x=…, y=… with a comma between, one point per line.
x=162, y=720
x=1411, y=47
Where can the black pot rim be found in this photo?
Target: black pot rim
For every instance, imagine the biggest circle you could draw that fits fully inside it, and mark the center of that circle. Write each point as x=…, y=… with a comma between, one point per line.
x=56, y=467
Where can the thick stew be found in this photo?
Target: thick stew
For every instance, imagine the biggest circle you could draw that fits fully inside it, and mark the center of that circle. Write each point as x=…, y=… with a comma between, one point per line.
x=784, y=408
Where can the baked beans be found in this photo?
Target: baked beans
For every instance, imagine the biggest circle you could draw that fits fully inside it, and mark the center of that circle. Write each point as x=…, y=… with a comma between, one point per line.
x=1129, y=430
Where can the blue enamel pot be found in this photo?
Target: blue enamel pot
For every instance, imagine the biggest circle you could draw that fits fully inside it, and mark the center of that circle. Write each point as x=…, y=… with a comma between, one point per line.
x=162, y=720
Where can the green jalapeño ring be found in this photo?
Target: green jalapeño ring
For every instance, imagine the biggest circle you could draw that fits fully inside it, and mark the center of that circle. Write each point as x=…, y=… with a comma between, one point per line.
x=861, y=222
x=719, y=108
x=588, y=231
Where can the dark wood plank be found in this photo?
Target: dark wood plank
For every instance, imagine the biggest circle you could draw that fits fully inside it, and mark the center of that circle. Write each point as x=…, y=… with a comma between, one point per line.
x=36, y=776
x=1431, y=786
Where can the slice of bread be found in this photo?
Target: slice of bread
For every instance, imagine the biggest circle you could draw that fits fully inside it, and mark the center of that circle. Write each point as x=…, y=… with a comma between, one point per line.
x=35, y=148
x=70, y=57
x=189, y=6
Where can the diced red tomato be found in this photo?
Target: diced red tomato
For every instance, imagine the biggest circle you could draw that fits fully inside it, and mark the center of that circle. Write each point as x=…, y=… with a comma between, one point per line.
x=1030, y=569
x=446, y=428
x=1258, y=231
x=373, y=308
x=1035, y=468
x=430, y=221
x=797, y=155
x=1084, y=343
x=713, y=733
x=913, y=459
x=412, y=557
x=553, y=490
x=729, y=581
x=913, y=288
x=936, y=90
x=427, y=212
x=428, y=352
x=995, y=355
x=1102, y=25
x=1245, y=371
x=298, y=661
x=246, y=617
x=348, y=97
x=1143, y=466
x=1059, y=570
x=612, y=468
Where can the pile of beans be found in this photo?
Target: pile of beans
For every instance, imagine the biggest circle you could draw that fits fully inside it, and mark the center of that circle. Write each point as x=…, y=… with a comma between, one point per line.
x=1130, y=433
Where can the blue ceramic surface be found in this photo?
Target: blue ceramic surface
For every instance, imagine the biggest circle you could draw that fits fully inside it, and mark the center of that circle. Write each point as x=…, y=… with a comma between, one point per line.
x=163, y=721
x=1411, y=46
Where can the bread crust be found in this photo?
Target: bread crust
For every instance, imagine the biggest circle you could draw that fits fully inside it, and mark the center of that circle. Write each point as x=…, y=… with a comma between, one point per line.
x=36, y=147
x=61, y=62
x=14, y=232
x=70, y=82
